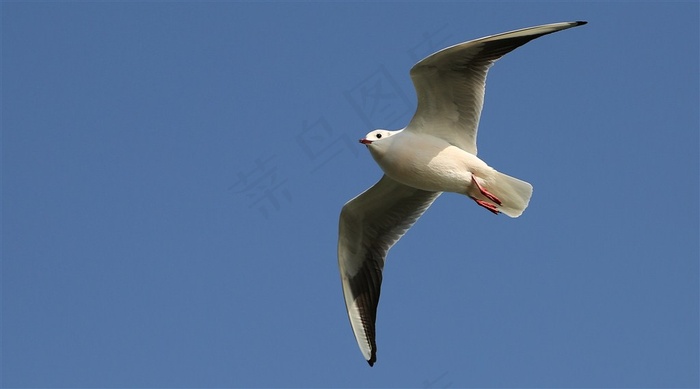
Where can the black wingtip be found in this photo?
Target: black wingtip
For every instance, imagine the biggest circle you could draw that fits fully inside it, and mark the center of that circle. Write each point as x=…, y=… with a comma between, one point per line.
x=372, y=360
x=581, y=22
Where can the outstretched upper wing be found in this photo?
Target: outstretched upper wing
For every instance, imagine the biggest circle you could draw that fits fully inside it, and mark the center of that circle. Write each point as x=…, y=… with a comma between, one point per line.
x=450, y=83
x=369, y=225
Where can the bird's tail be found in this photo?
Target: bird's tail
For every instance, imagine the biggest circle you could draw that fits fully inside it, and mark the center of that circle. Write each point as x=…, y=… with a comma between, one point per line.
x=514, y=193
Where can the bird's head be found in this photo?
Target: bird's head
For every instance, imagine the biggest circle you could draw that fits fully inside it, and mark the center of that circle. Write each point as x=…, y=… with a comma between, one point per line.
x=376, y=136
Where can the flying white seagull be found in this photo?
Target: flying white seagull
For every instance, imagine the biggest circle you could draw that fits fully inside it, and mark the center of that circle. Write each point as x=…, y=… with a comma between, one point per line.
x=435, y=153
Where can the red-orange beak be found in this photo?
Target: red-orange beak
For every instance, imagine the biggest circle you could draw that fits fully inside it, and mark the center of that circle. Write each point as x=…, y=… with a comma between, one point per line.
x=365, y=141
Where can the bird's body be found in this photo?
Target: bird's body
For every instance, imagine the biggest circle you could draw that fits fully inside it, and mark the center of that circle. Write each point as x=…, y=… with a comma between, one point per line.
x=429, y=163
x=436, y=152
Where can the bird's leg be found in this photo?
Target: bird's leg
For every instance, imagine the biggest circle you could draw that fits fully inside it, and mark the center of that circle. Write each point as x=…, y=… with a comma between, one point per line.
x=491, y=207
x=487, y=205
x=485, y=192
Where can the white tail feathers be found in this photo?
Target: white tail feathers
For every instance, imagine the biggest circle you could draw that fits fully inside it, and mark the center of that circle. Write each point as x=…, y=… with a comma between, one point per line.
x=514, y=194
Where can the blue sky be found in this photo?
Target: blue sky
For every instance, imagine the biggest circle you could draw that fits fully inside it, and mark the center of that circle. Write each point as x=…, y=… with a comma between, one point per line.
x=172, y=176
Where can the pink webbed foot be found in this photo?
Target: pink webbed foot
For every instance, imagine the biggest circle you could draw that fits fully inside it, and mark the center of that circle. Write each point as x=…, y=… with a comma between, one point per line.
x=485, y=192
x=487, y=205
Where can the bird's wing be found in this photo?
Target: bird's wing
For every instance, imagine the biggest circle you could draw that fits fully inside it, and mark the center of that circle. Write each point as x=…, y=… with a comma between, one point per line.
x=450, y=83
x=369, y=225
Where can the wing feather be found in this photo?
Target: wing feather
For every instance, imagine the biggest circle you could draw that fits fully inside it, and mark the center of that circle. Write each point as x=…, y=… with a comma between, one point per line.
x=369, y=225
x=450, y=83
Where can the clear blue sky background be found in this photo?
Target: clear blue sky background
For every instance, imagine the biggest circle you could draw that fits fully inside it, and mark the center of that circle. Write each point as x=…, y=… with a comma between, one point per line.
x=172, y=175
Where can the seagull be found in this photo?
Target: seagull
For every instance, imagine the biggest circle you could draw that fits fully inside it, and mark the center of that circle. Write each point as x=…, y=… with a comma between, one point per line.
x=435, y=153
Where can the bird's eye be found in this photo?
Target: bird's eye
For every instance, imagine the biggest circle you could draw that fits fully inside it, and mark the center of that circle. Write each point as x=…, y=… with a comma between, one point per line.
x=379, y=136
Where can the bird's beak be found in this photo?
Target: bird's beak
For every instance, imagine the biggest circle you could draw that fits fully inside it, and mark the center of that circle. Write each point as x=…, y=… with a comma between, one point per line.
x=365, y=141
